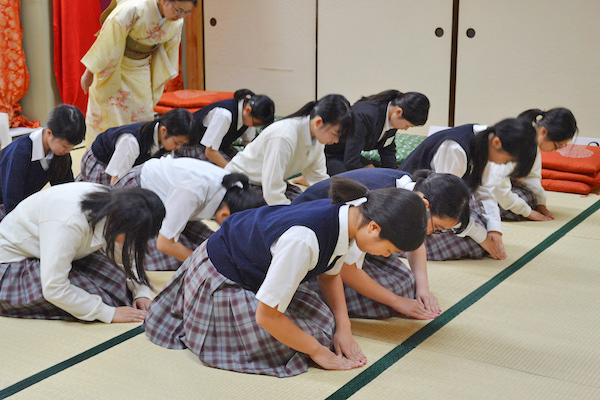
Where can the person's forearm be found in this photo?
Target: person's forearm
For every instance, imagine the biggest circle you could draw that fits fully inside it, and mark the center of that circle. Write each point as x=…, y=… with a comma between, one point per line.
x=417, y=260
x=172, y=248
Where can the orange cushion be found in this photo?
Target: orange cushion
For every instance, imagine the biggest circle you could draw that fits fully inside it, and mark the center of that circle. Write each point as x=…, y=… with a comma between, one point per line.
x=573, y=158
x=592, y=180
x=556, y=185
x=192, y=98
x=163, y=109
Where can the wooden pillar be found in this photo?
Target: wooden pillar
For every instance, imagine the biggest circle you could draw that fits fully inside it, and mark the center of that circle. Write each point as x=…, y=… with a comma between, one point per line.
x=194, y=50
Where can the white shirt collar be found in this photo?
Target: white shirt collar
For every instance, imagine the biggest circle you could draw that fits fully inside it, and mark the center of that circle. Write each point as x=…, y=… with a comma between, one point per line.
x=479, y=128
x=405, y=183
x=240, y=120
x=305, y=131
x=343, y=243
x=98, y=235
x=155, y=145
x=386, y=126
x=37, y=151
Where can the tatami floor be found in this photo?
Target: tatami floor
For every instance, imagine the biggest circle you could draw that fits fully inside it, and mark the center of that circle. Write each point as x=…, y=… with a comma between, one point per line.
x=523, y=328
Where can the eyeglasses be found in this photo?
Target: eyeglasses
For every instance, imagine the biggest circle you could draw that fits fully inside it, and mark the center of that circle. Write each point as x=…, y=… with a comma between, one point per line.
x=559, y=146
x=179, y=11
x=440, y=230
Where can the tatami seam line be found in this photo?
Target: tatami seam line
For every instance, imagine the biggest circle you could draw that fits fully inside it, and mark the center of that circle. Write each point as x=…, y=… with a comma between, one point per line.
x=378, y=367
x=55, y=369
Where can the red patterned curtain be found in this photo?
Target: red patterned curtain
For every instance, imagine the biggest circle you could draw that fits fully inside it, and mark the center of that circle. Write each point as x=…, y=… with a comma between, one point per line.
x=14, y=77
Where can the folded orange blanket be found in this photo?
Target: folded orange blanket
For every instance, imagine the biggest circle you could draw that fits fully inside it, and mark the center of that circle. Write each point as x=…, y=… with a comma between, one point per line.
x=556, y=185
x=573, y=158
x=591, y=179
x=190, y=98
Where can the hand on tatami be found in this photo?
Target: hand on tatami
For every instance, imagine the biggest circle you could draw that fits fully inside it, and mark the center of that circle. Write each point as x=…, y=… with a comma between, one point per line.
x=413, y=308
x=493, y=245
x=328, y=360
x=538, y=216
x=142, y=303
x=545, y=211
x=345, y=345
x=128, y=314
x=428, y=300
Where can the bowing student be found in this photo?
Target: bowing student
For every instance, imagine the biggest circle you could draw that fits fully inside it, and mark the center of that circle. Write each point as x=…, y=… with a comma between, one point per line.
x=294, y=145
x=376, y=120
x=43, y=156
x=51, y=266
x=525, y=197
x=222, y=122
x=467, y=151
x=116, y=150
x=384, y=287
x=192, y=190
x=237, y=302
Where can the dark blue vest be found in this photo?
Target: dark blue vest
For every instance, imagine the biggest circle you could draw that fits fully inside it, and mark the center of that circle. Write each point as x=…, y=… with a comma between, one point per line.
x=421, y=157
x=104, y=145
x=372, y=178
x=240, y=249
x=233, y=133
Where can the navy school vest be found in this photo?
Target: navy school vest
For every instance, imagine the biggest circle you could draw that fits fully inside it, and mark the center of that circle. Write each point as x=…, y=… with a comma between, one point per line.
x=372, y=178
x=233, y=133
x=104, y=145
x=421, y=157
x=240, y=249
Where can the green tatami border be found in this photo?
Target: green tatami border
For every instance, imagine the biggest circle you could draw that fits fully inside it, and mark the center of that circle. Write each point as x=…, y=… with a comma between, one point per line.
x=55, y=369
x=428, y=330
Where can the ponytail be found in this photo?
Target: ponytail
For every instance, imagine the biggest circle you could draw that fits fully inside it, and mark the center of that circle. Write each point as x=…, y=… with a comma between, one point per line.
x=400, y=213
x=414, y=105
x=239, y=195
x=448, y=195
x=560, y=122
x=334, y=109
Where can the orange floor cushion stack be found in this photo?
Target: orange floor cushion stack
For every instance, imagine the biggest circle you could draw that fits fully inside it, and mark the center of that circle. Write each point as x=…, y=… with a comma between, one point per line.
x=191, y=99
x=572, y=169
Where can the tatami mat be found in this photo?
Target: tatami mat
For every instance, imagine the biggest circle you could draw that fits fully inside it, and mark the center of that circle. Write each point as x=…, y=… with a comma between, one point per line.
x=534, y=336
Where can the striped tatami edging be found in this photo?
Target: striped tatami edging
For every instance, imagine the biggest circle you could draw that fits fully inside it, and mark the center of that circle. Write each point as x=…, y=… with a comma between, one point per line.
x=373, y=371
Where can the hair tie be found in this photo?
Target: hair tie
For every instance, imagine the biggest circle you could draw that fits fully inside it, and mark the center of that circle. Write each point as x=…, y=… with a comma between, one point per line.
x=238, y=184
x=357, y=202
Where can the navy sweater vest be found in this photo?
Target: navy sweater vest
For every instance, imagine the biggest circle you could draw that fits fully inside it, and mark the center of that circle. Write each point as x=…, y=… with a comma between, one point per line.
x=240, y=249
x=372, y=178
x=104, y=145
x=233, y=133
x=20, y=177
x=421, y=157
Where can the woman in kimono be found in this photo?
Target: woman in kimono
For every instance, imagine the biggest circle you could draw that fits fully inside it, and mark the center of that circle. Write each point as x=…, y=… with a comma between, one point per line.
x=135, y=54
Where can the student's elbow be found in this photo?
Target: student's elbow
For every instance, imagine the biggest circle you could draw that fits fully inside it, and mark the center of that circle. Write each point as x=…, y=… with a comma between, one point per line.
x=163, y=244
x=265, y=315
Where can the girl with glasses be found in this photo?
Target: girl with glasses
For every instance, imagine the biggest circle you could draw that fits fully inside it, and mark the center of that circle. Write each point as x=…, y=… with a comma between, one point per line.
x=525, y=198
x=385, y=287
x=222, y=122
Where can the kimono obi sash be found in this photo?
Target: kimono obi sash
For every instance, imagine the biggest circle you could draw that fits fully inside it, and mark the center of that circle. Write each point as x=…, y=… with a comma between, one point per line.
x=138, y=51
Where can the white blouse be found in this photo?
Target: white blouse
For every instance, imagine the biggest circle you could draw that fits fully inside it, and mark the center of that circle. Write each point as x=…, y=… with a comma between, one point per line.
x=217, y=123
x=50, y=226
x=284, y=149
x=127, y=150
x=295, y=253
x=37, y=149
x=451, y=158
x=190, y=189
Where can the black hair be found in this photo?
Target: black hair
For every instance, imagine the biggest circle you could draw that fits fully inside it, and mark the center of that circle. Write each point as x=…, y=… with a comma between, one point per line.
x=400, y=213
x=518, y=139
x=560, y=122
x=179, y=122
x=414, y=105
x=68, y=123
x=448, y=195
x=194, y=2
x=240, y=198
x=263, y=108
x=333, y=109
x=138, y=213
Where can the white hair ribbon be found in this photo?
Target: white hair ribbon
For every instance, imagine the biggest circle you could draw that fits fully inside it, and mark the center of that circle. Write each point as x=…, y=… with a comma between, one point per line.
x=357, y=202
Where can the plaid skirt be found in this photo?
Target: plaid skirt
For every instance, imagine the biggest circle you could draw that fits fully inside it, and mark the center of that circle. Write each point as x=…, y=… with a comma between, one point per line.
x=389, y=272
x=92, y=170
x=523, y=192
x=21, y=288
x=449, y=246
x=198, y=151
x=214, y=317
x=193, y=235
x=291, y=191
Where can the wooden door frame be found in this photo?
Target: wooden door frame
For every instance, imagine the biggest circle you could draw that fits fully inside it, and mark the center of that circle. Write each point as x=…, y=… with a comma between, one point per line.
x=194, y=48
